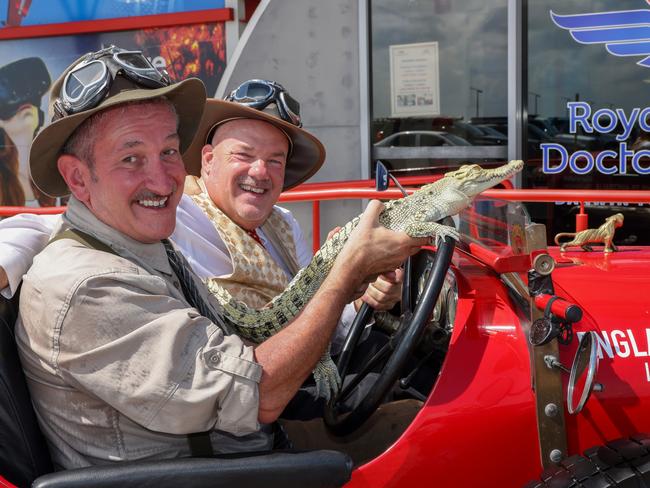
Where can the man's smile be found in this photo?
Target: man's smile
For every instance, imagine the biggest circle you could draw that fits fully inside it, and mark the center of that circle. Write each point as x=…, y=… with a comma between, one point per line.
x=253, y=189
x=152, y=201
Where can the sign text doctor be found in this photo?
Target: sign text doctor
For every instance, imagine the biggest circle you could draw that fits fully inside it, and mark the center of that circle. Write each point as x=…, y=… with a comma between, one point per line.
x=556, y=159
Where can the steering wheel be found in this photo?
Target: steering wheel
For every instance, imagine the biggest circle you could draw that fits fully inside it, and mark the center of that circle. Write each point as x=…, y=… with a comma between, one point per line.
x=398, y=349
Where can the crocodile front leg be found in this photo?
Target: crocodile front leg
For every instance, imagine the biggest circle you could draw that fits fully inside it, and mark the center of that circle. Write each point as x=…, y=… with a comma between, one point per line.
x=431, y=229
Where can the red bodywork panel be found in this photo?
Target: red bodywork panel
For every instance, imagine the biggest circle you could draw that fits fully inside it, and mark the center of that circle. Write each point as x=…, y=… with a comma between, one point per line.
x=478, y=427
x=482, y=402
x=5, y=484
x=612, y=290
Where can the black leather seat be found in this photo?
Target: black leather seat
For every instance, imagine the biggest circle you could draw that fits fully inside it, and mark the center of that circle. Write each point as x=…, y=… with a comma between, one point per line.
x=24, y=458
x=23, y=451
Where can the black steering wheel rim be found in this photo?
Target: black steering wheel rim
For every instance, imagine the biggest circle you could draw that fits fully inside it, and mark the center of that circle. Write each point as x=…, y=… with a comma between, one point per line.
x=401, y=347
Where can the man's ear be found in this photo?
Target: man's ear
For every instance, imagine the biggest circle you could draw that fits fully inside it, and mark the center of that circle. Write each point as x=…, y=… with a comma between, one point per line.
x=76, y=174
x=207, y=158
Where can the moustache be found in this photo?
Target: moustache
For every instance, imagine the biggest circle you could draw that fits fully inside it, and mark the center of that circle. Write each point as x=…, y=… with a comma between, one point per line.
x=262, y=184
x=148, y=194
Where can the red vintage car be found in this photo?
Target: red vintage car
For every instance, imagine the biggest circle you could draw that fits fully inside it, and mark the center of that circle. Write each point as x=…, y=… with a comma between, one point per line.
x=512, y=362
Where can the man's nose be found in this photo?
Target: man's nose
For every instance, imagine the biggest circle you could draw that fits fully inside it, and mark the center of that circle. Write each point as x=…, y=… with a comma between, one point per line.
x=259, y=168
x=162, y=177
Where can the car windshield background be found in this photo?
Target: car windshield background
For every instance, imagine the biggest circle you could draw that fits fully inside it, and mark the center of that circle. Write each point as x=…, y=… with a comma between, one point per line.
x=437, y=65
x=567, y=78
x=497, y=225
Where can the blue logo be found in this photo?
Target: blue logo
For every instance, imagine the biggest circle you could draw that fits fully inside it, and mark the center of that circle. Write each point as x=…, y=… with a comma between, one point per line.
x=624, y=32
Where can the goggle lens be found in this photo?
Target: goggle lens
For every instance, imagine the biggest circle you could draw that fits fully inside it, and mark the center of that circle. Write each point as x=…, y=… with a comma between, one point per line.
x=254, y=92
x=83, y=77
x=134, y=60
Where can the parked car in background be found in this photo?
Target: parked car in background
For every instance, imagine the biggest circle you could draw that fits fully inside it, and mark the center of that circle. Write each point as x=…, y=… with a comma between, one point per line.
x=421, y=139
x=572, y=142
x=418, y=138
x=473, y=134
x=491, y=131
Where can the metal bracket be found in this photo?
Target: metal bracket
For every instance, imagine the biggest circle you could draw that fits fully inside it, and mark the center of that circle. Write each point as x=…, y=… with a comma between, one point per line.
x=547, y=382
x=547, y=379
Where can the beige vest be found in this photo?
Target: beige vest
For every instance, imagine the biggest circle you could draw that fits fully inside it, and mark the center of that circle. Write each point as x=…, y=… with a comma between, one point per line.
x=256, y=278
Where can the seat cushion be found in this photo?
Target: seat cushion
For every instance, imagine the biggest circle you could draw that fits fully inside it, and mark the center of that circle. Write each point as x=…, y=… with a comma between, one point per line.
x=23, y=450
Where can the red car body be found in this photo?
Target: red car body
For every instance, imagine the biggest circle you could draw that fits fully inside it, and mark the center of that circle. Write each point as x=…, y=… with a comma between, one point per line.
x=478, y=426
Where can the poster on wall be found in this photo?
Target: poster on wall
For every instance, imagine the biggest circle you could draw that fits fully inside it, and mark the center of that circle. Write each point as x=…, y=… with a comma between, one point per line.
x=28, y=12
x=414, y=79
x=29, y=66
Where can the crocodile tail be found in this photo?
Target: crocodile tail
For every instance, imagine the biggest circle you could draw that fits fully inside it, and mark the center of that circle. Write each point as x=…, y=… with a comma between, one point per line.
x=563, y=234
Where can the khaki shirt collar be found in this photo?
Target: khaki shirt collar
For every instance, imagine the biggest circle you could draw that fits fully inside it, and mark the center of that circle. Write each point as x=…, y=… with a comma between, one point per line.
x=153, y=256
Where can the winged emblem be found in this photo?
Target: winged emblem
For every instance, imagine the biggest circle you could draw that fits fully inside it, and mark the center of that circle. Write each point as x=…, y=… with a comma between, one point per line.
x=624, y=32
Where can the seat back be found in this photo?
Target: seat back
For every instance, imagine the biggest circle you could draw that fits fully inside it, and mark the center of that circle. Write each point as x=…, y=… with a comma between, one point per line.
x=23, y=450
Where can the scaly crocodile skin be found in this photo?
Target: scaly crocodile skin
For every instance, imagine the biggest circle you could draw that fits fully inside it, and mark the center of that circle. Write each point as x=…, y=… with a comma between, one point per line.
x=416, y=215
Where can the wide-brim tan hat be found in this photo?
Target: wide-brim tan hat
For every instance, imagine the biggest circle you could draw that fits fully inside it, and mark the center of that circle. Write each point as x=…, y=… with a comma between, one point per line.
x=307, y=152
x=188, y=98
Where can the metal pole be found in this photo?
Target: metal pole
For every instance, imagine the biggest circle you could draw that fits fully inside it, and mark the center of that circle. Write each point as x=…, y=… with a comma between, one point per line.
x=517, y=80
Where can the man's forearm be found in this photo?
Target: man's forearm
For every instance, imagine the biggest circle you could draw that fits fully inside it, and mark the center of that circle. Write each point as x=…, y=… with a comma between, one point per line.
x=289, y=356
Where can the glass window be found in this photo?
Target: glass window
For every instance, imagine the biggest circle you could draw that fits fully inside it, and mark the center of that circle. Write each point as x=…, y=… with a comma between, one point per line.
x=438, y=66
x=585, y=67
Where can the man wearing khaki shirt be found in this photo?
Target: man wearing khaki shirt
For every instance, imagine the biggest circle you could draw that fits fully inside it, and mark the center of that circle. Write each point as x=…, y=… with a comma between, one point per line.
x=120, y=362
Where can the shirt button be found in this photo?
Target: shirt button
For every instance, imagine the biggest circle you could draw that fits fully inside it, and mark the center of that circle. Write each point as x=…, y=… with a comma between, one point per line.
x=177, y=285
x=215, y=358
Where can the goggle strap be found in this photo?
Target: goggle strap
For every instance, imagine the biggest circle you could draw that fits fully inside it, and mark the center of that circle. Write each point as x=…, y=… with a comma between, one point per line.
x=292, y=116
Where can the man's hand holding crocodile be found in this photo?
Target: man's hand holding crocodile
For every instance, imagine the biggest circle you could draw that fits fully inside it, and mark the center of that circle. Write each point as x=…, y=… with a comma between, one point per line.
x=384, y=292
x=381, y=294
x=290, y=355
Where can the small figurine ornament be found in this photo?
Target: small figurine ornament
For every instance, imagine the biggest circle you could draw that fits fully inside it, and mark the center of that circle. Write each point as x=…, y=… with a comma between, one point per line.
x=602, y=235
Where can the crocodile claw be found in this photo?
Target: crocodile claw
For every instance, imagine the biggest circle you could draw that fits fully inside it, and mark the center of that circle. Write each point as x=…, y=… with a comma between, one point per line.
x=446, y=231
x=328, y=381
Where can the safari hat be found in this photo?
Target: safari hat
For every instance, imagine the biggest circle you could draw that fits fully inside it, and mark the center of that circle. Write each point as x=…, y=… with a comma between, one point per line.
x=188, y=98
x=306, y=156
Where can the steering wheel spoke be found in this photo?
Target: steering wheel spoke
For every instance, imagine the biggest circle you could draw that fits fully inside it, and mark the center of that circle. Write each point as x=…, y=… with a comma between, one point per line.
x=398, y=350
x=367, y=368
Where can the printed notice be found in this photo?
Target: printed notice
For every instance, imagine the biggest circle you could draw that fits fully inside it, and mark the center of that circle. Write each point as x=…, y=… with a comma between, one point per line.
x=414, y=79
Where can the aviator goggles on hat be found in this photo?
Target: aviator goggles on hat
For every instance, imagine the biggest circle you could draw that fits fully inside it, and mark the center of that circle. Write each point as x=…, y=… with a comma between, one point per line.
x=88, y=83
x=258, y=94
